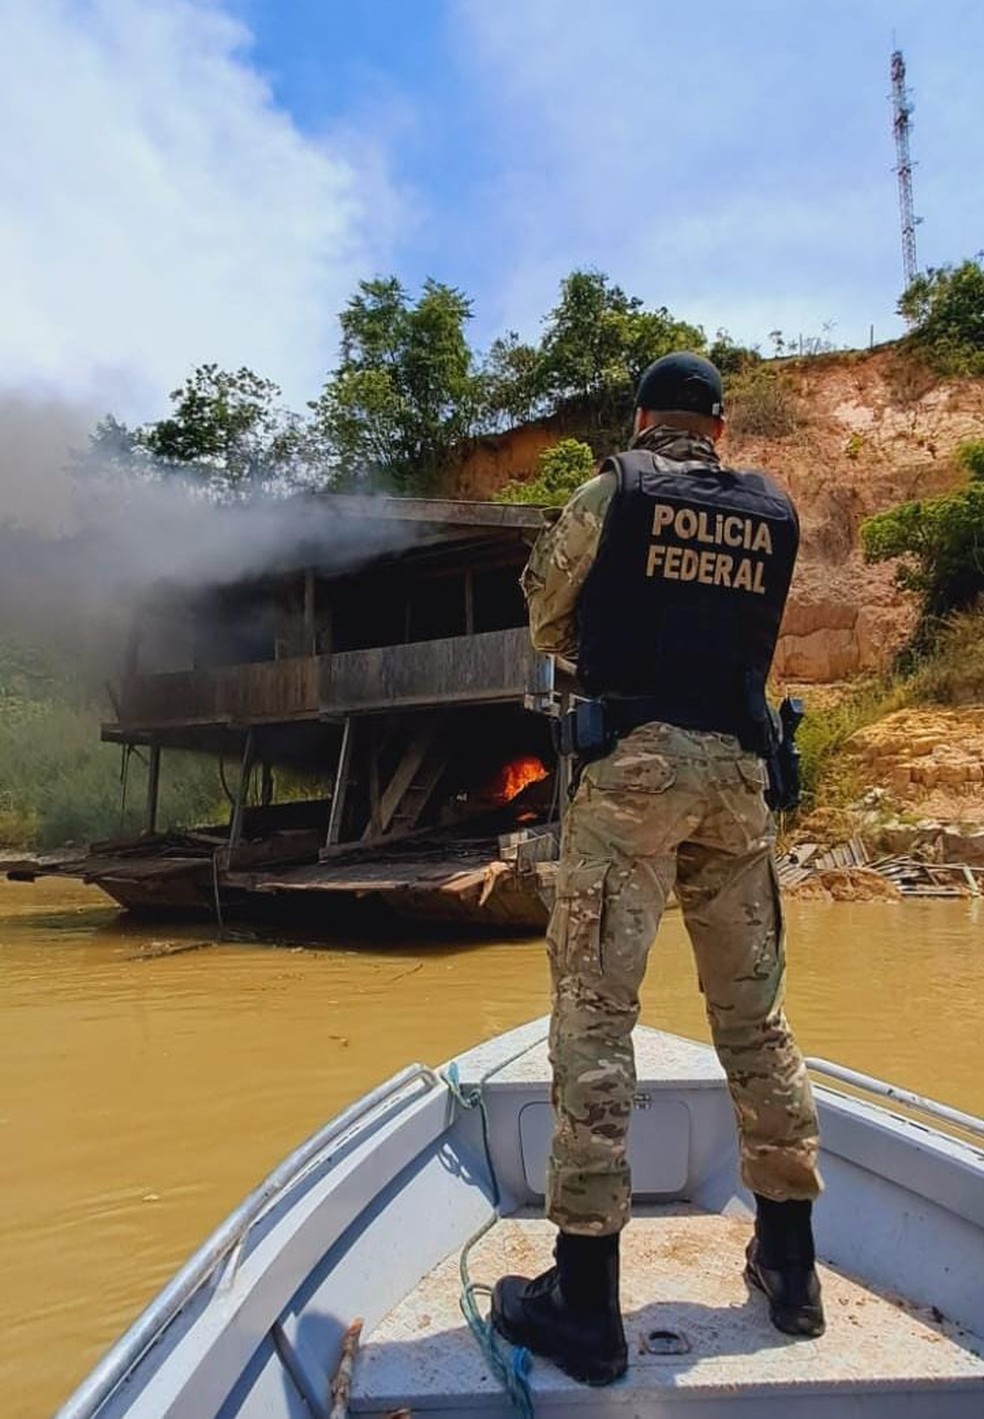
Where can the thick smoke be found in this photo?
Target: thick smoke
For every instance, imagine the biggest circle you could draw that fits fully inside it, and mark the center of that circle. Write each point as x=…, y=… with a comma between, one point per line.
x=80, y=549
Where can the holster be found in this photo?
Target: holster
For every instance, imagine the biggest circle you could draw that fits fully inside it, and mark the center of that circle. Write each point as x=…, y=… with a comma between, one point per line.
x=582, y=732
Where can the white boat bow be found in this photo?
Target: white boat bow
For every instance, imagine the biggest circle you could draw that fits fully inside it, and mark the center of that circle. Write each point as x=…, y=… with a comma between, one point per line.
x=369, y=1219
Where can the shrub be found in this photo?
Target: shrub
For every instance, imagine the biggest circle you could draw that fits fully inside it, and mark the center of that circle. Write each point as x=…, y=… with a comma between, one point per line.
x=730, y=357
x=945, y=307
x=760, y=402
x=941, y=545
x=560, y=472
x=970, y=457
x=954, y=673
x=827, y=728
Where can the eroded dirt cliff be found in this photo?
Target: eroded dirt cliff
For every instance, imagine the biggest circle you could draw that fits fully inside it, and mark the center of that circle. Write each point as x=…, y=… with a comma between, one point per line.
x=875, y=429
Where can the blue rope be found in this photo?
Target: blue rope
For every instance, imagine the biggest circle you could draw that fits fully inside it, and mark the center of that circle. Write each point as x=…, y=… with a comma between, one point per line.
x=512, y=1372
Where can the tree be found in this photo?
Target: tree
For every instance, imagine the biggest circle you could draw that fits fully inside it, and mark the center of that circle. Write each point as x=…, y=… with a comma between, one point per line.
x=945, y=307
x=513, y=382
x=730, y=357
x=598, y=340
x=560, y=472
x=114, y=448
x=406, y=392
x=229, y=432
x=941, y=544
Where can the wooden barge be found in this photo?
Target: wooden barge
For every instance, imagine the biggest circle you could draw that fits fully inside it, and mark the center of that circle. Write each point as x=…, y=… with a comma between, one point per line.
x=386, y=657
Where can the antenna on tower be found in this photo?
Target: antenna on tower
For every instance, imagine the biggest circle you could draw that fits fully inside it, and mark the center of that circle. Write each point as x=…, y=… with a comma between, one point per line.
x=901, y=111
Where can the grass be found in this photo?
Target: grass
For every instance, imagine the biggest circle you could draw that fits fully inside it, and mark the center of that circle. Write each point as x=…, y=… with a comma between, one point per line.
x=827, y=781
x=952, y=675
x=58, y=784
x=762, y=403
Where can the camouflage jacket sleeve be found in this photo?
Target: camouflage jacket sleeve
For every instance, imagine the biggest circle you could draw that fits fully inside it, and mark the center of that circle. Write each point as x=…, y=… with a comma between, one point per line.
x=559, y=564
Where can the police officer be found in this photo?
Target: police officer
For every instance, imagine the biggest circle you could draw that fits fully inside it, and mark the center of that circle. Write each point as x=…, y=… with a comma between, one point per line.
x=665, y=579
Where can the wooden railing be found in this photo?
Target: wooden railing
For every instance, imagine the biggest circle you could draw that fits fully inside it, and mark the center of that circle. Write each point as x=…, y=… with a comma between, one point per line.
x=495, y=665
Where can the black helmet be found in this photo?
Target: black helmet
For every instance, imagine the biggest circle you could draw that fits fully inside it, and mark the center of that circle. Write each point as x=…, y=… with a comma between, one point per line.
x=681, y=382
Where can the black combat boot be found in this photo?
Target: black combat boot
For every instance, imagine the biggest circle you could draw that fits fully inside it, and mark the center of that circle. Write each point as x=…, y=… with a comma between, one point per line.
x=780, y=1261
x=570, y=1314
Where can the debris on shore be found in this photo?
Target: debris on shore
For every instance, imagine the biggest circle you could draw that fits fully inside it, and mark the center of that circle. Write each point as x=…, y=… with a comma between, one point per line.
x=848, y=873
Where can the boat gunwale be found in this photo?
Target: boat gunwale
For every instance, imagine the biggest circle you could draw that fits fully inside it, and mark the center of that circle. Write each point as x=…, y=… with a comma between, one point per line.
x=127, y=1352
x=369, y=1114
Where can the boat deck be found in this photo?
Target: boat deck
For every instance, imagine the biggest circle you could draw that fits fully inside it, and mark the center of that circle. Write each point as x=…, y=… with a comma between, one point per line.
x=682, y=1273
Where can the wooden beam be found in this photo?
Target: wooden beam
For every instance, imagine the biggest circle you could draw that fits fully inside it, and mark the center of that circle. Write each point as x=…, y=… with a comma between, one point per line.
x=469, y=602
x=239, y=807
x=419, y=794
x=404, y=774
x=153, y=788
x=375, y=737
x=341, y=786
x=266, y=784
x=310, y=634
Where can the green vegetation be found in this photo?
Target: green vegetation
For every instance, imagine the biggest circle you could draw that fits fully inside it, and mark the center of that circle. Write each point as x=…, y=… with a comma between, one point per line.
x=227, y=432
x=951, y=674
x=58, y=783
x=560, y=472
x=406, y=392
x=760, y=402
x=945, y=308
x=596, y=343
x=941, y=545
x=970, y=457
x=827, y=728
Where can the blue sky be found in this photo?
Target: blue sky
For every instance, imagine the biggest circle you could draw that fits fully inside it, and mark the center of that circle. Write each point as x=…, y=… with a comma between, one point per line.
x=208, y=179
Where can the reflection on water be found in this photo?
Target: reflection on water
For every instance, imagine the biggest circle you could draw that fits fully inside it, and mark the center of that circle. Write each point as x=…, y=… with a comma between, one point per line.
x=151, y=1076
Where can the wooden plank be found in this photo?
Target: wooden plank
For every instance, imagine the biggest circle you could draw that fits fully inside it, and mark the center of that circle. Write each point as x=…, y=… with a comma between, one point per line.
x=469, y=602
x=494, y=665
x=239, y=808
x=420, y=792
x=153, y=788
x=341, y=786
x=404, y=773
x=373, y=829
x=309, y=646
x=440, y=512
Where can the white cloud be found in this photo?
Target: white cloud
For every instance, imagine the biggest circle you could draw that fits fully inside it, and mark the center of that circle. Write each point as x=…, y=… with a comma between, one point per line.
x=731, y=162
x=157, y=209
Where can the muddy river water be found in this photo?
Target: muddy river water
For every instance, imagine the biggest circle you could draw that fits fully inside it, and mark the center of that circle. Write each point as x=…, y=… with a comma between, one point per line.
x=145, y=1088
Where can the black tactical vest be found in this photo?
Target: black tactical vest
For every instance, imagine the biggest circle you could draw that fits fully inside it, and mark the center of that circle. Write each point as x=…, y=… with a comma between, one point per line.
x=683, y=602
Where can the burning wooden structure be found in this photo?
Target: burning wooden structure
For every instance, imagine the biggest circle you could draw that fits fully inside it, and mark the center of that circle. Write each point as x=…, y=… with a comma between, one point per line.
x=387, y=655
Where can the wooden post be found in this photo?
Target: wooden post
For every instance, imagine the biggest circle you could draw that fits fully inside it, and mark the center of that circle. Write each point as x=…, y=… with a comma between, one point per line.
x=239, y=807
x=266, y=784
x=341, y=786
x=469, y=603
x=310, y=646
x=153, y=788
x=374, y=738
x=325, y=636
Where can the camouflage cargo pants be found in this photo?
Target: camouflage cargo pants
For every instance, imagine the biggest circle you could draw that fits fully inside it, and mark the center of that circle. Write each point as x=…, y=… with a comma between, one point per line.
x=669, y=807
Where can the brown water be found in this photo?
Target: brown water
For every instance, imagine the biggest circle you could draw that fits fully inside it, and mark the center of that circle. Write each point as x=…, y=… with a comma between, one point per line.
x=142, y=1094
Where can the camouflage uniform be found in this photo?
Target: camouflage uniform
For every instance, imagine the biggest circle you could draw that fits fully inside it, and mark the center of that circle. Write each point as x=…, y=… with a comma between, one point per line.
x=666, y=808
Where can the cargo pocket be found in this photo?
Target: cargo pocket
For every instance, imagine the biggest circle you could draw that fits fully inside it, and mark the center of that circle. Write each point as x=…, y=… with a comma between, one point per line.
x=631, y=769
x=574, y=936
x=780, y=924
x=753, y=774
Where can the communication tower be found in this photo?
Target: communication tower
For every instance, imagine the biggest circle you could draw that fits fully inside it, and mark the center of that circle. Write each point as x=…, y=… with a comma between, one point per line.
x=901, y=111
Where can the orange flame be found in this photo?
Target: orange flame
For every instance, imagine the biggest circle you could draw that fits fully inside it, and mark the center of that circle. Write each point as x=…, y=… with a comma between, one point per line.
x=513, y=777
